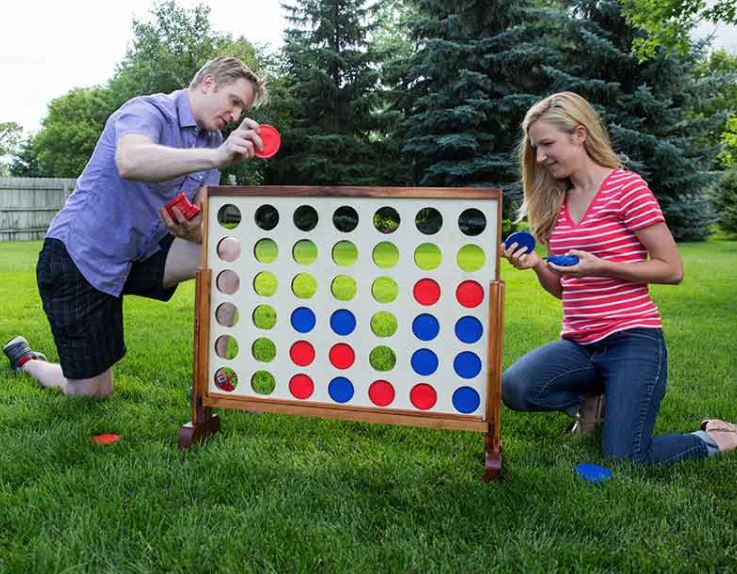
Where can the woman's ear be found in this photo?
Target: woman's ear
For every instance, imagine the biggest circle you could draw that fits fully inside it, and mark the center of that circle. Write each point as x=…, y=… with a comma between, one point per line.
x=579, y=134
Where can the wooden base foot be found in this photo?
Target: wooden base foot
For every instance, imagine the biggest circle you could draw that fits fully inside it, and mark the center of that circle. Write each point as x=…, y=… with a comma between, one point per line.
x=493, y=465
x=191, y=434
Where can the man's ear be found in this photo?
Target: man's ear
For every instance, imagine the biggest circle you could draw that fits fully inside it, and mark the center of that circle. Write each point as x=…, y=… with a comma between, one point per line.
x=208, y=83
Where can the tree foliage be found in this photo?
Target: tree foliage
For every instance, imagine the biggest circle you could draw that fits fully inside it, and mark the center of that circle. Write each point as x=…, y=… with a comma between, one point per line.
x=11, y=134
x=667, y=23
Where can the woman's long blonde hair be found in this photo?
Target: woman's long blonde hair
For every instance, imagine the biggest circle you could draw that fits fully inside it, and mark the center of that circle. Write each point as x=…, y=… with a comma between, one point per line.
x=543, y=194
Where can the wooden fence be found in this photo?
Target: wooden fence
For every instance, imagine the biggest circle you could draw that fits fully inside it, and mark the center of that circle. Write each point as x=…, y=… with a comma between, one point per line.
x=28, y=204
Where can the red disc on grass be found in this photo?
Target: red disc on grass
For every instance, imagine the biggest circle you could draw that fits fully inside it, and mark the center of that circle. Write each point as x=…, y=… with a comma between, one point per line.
x=341, y=356
x=423, y=396
x=470, y=294
x=426, y=292
x=302, y=353
x=381, y=393
x=271, y=140
x=105, y=438
x=301, y=386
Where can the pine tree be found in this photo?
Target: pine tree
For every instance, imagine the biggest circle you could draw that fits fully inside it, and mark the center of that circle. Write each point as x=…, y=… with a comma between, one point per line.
x=478, y=67
x=644, y=106
x=334, y=99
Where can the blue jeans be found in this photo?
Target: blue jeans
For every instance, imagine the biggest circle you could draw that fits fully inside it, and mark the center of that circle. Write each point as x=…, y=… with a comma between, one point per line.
x=629, y=367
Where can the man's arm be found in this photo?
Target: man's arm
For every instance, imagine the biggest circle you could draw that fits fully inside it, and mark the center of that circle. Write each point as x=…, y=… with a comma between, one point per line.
x=138, y=158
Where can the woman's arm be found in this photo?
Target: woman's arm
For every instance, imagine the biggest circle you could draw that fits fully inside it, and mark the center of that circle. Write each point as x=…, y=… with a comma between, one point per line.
x=664, y=265
x=549, y=280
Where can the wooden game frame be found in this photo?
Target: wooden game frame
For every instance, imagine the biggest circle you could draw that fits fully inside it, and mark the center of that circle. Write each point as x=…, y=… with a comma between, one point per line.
x=205, y=422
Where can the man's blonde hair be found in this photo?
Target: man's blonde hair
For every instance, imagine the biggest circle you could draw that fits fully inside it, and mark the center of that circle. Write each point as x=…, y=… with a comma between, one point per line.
x=543, y=194
x=227, y=70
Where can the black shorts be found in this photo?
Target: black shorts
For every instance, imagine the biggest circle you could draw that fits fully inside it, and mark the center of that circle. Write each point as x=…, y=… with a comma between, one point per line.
x=87, y=324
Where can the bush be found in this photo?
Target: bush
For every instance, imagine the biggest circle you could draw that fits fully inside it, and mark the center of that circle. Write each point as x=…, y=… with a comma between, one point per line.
x=724, y=199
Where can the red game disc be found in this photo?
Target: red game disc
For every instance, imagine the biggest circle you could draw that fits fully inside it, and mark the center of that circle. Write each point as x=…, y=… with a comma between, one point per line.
x=271, y=140
x=107, y=438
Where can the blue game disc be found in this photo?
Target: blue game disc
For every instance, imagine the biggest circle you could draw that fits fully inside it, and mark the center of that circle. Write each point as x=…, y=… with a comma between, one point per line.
x=522, y=239
x=343, y=322
x=562, y=260
x=303, y=320
x=425, y=327
x=593, y=473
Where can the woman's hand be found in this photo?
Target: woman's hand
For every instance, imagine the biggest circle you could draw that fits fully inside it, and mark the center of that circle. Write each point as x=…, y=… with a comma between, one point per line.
x=588, y=264
x=518, y=257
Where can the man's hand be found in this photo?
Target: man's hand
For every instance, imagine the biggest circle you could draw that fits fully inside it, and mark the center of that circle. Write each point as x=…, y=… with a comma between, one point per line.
x=189, y=230
x=240, y=145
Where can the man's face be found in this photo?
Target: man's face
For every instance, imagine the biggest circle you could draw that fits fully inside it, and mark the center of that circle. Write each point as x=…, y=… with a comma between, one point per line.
x=223, y=104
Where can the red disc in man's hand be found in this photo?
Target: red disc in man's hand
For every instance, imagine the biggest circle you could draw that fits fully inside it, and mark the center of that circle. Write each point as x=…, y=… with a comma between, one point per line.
x=271, y=140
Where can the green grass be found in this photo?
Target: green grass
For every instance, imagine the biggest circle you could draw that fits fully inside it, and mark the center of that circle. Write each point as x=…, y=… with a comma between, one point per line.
x=289, y=494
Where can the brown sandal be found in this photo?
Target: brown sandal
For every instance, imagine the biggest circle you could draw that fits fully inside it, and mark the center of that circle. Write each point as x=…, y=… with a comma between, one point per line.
x=721, y=426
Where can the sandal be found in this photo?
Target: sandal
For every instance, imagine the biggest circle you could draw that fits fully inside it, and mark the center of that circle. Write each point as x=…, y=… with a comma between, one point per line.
x=723, y=433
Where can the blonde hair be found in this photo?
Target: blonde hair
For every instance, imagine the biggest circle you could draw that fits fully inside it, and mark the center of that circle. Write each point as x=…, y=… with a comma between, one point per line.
x=227, y=70
x=543, y=194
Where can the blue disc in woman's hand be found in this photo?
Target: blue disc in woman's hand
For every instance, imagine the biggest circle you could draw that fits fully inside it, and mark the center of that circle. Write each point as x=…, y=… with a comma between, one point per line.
x=522, y=239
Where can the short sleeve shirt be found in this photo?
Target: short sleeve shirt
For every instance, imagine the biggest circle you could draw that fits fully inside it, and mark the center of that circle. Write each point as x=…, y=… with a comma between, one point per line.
x=597, y=306
x=109, y=222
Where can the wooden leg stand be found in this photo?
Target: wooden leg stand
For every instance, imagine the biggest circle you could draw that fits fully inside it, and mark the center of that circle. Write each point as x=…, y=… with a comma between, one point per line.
x=492, y=459
x=191, y=434
x=204, y=422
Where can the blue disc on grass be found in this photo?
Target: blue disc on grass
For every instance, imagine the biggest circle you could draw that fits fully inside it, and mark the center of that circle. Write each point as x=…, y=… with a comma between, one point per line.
x=522, y=239
x=342, y=322
x=425, y=327
x=303, y=320
x=469, y=329
x=466, y=400
x=593, y=473
x=340, y=390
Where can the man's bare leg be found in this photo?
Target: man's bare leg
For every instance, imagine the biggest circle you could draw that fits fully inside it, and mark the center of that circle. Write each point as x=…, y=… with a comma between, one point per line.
x=49, y=375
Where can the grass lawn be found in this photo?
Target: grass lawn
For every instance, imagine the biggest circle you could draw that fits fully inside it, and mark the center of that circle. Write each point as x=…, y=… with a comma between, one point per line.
x=288, y=494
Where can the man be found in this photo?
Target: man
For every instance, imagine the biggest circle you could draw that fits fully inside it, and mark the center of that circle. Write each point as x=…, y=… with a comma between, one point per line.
x=114, y=237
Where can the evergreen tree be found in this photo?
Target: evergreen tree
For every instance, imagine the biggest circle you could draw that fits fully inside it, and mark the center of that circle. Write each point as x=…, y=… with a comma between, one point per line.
x=334, y=103
x=478, y=67
x=644, y=106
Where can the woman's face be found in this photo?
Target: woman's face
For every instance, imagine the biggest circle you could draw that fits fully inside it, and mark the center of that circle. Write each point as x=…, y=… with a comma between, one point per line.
x=559, y=151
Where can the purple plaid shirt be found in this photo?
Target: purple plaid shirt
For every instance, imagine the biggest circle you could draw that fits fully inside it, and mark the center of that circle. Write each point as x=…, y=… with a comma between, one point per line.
x=110, y=222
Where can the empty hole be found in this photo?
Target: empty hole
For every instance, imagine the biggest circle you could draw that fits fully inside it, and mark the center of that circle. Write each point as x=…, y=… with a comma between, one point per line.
x=229, y=216
x=227, y=282
x=304, y=285
x=226, y=379
x=472, y=221
x=267, y=217
x=226, y=347
x=384, y=289
x=266, y=250
x=343, y=287
x=304, y=252
x=263, y=350
x=471, y=258
x=264, y=316
x=345, y=219
x=265, y=284
x=386, y=220
x=229, y=249
x=382, y=358
x=428, y=220
x=305, y=218
x=428, y=256
x=385, y=255
x=383, y=324
x=263, y=382
x=226, y=314
x=345, y=253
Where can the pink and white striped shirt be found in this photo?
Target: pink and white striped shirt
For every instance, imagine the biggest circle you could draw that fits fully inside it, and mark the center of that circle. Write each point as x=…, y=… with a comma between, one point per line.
x=597, y=306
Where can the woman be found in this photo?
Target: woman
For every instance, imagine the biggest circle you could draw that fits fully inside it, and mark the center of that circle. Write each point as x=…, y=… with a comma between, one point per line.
x=579, y=201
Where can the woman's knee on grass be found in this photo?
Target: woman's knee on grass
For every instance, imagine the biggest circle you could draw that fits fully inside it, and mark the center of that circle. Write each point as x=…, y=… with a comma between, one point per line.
x=515, y=390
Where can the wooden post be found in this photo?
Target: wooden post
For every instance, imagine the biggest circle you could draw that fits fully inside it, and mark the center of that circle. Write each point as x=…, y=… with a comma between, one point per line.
x=492, y=438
